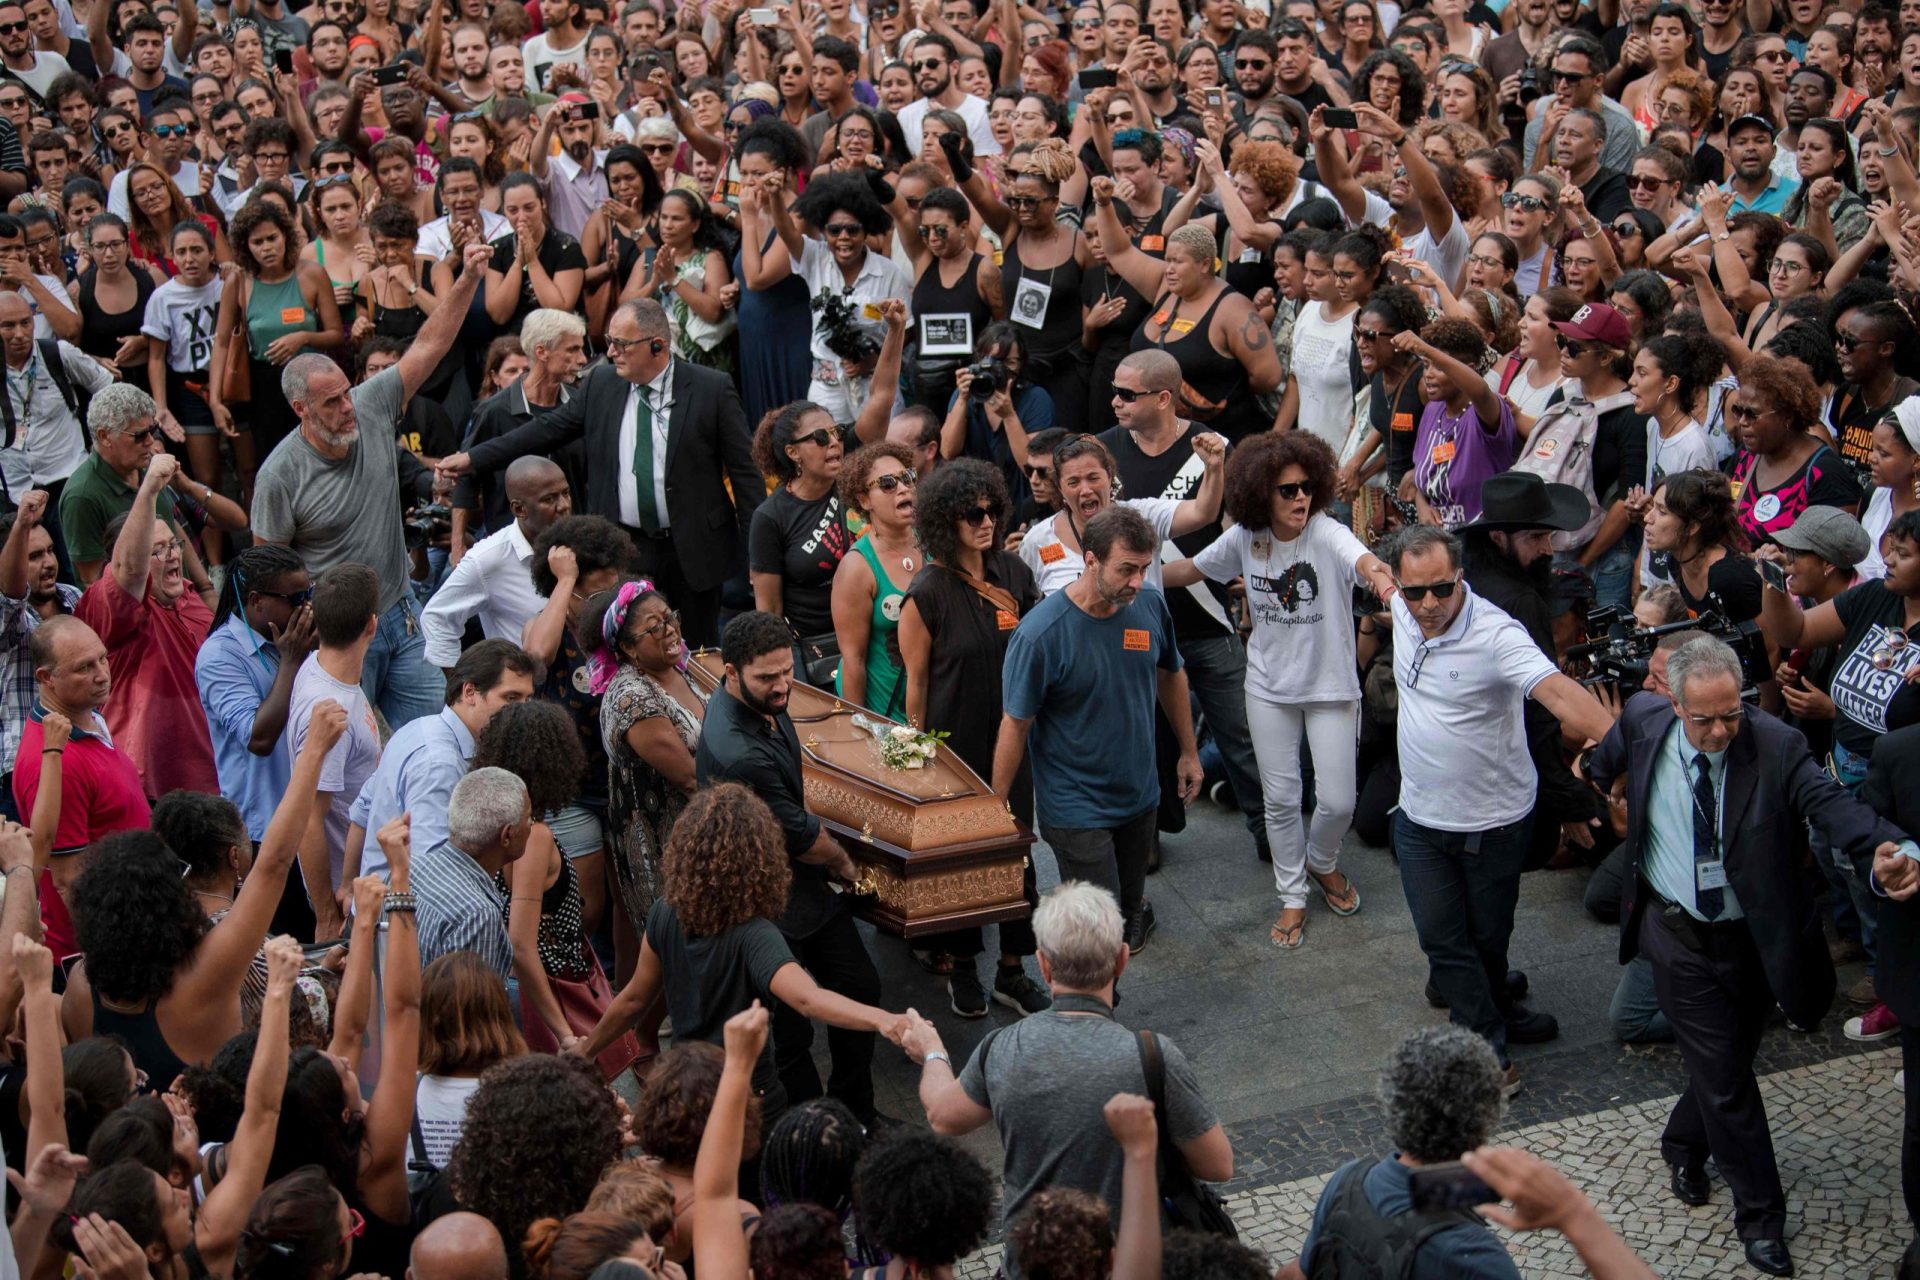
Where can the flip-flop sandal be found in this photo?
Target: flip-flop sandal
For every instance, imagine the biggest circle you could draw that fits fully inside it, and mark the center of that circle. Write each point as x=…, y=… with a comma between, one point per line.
x=935, y=962
x=1327, y=896
x=1289, y=938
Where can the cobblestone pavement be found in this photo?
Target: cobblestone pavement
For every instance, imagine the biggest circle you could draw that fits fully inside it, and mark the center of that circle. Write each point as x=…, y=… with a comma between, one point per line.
x=1836, y=1127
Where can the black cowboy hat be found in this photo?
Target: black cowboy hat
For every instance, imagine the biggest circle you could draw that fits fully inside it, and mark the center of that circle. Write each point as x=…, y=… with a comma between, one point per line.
x=1516, y=500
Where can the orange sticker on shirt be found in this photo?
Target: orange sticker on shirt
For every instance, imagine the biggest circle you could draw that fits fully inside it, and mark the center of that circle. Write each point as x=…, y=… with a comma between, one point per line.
x=1153, y=244
x=1136, y=641
x=1181, y=327
x=292, y=315
x=1006, y=621
x=1403, y=422
x=1442, y=452
x=1051, y=552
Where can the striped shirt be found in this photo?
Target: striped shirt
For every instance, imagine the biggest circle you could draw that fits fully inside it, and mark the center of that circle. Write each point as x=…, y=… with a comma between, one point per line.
x=459, y=909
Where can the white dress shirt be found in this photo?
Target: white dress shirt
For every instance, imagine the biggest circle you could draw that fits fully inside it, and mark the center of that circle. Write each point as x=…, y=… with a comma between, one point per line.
x=494, y=582
x=659, y=395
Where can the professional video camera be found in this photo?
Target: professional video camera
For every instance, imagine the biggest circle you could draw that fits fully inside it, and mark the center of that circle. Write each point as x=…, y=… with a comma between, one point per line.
x=1619, y=652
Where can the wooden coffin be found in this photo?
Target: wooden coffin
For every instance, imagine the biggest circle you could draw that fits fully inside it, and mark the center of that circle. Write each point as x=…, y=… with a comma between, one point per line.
x=936, y=848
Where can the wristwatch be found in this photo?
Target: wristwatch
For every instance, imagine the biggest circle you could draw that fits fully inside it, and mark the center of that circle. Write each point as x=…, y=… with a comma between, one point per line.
x=1723, y=236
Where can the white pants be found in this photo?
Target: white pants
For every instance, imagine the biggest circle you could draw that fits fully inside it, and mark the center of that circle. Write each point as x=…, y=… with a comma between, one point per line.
x=1332, y=729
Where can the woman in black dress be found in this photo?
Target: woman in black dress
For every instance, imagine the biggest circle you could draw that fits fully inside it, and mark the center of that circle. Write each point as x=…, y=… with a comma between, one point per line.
x=960, y=613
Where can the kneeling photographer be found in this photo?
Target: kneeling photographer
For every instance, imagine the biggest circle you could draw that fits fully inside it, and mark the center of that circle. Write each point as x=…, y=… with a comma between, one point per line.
x=994, y=408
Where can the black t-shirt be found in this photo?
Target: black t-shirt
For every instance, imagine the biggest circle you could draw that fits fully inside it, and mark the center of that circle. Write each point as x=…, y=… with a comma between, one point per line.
x=1733, y=589
x=1853, y=424
x=557, y=253
x=1873, y=663
x=1174, y=474
x=709, y=979
x=426, y=430
x=1397, y=419
x=1619, y=454
x=1606, y=193
x=803, y=543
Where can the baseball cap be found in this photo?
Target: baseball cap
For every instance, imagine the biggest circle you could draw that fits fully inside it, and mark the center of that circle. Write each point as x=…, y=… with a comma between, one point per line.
x=1829, y=533
x=1751, y=118
x=1598, y=322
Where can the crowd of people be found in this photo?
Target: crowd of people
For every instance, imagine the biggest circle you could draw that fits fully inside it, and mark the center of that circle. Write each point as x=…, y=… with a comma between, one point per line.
x=1486, y=430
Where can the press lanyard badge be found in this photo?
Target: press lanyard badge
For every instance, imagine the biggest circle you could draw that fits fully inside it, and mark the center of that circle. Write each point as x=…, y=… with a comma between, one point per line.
x=1710, y=875
x=1030, y=302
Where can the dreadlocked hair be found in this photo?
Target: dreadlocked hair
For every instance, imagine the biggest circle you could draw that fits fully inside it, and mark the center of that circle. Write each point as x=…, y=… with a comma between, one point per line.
x=252, y=569
x=810, y=1154
x=1052, y=159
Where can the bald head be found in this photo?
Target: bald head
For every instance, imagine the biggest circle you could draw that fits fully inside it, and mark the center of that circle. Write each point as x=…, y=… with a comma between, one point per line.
x=1156, y=370
x=537, y=494
x=13, y=307
x=460, y=1246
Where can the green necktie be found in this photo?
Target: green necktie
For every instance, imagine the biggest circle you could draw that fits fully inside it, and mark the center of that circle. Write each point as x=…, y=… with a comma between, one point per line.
x=643, y=462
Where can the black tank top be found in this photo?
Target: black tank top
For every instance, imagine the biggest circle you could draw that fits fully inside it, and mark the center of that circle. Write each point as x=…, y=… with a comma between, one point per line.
x=1209, y=373
x=1059, y=326
x=1249, y=270
x=140, y=1032
x=102, y=331
x=932, y=298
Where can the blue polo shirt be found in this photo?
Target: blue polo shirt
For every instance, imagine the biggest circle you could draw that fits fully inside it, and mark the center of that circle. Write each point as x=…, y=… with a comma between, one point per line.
x=1772, y=200
x=235, y=670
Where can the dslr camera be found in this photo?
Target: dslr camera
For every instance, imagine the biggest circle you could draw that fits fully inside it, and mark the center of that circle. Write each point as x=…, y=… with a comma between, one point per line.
x=990, y=377
x=1620, y=652
x=426, y=522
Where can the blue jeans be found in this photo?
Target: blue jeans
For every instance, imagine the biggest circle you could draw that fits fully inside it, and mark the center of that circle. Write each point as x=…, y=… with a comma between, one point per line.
x=1462, y=887
x=1635, y=1009
x=397, y=676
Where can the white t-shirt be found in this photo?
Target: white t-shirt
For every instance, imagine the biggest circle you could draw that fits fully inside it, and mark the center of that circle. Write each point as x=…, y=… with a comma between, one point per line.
x=1463, y=741
x=1689, y=449
x=1054, y=565
x=1302, y=646
x=1447, y=255
x=183, y=317
x=440, y=1104
x=353, y=758
x=914, y=115
x=1527, y=398
x=879, y=279
x=539, y=52
x=1320, y=349
x=47, y=67
x=1878, y=516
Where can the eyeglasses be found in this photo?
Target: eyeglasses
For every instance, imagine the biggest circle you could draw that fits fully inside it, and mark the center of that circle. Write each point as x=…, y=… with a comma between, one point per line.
x=1489, y=264
x=97, y=246
x=271, y=157
x=842, y=230
x=171, y=547
x=1416, y=593
x=1526, y=204
x=1625, y=230
x=171, y=131
x=977, y=516
x=1646, y=182
x=1731, y=719
x=1787, y=267
x=616, y=345
x=1294, y=489
x=819, y=438
x=662, y=624
x=1127, y=395
x=294, y=598
x=894, y=480
x=1741, y=412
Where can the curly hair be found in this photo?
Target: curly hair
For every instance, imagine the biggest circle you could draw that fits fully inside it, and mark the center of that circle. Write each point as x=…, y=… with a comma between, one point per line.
x=676, y=1099
x=572, y=1249
x=252, y=216
x=596, y=542
x=1061, y=1234
x=1805, y=341
x=1457, y=338
x=1784, y=384
x=1443, y=1093
x=1368, y=246
x=921, y=1196
x=466, y=1021
x=134, y=919
x=856, y=472
x=779, y=141
x=810, y=1155
x=199, y=828
x=1413, y=83
x=798, y=1242
x=943, y=498
x=1768, y=232
x=1702, y=501
x=537, y=742
x=776, y=431
x=1273, y=168
x=635, y=1189
x=1197, y=1255
x=539, y=1131
x=394, y=220
x=1694, y=359
x=1255, y=467
x=725, y=862
x=1399, y=306
x=847, y=193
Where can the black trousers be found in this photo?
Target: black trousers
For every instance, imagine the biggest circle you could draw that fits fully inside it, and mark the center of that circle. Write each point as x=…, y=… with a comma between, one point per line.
x=1910, y=1136
x=699, y=610
x=1717, y=999
x=838, y=961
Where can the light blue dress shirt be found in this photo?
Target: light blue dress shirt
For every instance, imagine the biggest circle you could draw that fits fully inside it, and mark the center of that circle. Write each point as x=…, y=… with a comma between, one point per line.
x=422, y=763
x=1667, y=859
x=235, y=670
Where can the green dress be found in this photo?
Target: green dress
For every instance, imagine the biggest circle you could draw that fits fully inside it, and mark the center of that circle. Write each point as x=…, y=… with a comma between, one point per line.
x=886, y=676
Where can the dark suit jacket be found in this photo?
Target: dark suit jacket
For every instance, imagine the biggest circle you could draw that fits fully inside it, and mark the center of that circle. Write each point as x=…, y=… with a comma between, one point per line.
x=1890, y=788
x=1773, y=787
x=707, y=444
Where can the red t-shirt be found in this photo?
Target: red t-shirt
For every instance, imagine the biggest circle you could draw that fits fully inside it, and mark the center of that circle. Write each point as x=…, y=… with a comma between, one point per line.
x=154, y=713
x=100, y=794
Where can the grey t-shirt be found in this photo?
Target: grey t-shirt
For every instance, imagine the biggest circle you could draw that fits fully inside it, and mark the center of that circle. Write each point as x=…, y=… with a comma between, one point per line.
x=331, y=512
x=1048, y=1078
x=353, y=758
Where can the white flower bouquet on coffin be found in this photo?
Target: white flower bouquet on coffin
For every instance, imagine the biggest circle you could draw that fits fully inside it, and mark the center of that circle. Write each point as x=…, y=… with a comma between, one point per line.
x=901, y=746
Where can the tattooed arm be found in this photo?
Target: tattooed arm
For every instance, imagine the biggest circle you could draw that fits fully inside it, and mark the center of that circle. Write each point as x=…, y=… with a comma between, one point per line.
x=1249, y=342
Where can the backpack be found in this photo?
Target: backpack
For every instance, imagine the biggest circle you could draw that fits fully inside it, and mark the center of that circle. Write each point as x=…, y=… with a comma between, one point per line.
x=1560, y=451
x=77, y=398
x=1356, y=1242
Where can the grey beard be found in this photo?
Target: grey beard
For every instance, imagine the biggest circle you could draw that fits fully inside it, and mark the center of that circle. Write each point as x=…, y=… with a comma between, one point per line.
x=340, y=439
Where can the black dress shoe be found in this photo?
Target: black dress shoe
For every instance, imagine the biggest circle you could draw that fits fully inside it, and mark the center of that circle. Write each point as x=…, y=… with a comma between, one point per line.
x=1526, y=1026
x=1690, y=1186
x=1770, y=1256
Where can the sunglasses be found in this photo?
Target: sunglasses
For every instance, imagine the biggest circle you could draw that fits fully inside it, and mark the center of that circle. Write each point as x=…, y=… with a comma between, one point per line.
x=977, y=516
x=894, y=480
x=171, y=131
x=882, y=10
x=1644, y=182
x=931, y=64
x=1250, y=64
x=1127, y=395
x=1527, y=204
x=331, y=168
x=820, y=438
x=1745, y=412
x=1568, y=347
x=1625, y=230
x=1024, y=202
x=1570, y=77
x=12, y=28
x=1370, y=335
x=1294, y=489
x=934, y=233
x=145, y=435
x=1439, y=590
x=1087, y=24
x=1038, y=472
x=294, y=598
x=842, y=230
x=658, y=148
x=1848, y=341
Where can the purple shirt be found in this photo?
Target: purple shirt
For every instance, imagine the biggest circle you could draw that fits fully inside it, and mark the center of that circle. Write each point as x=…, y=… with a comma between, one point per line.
x=1454, y=455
